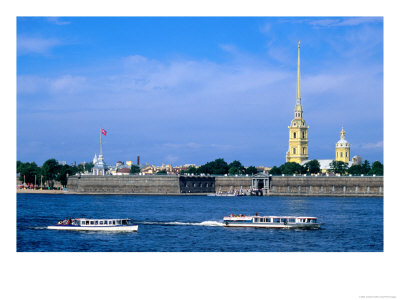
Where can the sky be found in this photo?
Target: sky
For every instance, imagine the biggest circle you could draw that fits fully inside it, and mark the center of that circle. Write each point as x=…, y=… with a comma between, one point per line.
x=184, y=90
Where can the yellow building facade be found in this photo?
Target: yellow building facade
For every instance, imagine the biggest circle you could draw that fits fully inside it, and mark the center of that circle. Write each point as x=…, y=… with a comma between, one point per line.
x=343, y=148
x=298, y=138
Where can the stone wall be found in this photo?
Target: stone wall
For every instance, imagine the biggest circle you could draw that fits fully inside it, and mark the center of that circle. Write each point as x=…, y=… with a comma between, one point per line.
x=132, y=184
x=135, y=184
x=225, y=184
x=326, y=186
x=179, y=185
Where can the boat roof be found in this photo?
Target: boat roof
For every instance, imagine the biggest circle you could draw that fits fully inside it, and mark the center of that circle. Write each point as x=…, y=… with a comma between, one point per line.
x=287, y=217
x=87, y=219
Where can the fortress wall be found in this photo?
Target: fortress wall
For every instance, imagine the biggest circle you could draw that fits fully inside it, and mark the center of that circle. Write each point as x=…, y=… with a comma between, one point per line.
x=231, y=183
x=131, y=184
x=279, y=185
x=135, y=184
x=327, y=186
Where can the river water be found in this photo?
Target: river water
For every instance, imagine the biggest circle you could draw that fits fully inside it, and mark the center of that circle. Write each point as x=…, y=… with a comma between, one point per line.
x=194, y=223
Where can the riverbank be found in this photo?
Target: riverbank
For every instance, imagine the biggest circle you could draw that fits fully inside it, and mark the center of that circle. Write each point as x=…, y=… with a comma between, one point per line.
x=44, y=191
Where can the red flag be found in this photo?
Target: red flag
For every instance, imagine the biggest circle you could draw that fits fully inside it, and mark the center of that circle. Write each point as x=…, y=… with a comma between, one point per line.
x=103, y=131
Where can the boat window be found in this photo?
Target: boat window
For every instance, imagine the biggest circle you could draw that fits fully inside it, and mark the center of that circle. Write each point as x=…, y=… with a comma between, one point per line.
x=256, y=220
x=268, y=219
x=91, y=222
x=124, y=222
x=101, y=222
x=283, y=220
x=119, y=222
x=113, y=222
x=277, y=220
x=292, y=220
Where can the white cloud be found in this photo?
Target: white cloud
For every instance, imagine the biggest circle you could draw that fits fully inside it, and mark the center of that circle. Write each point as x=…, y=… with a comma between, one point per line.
x=28, y=45
x=57, y=21
x=338, y=22
x=27, y=84
x=376, y=145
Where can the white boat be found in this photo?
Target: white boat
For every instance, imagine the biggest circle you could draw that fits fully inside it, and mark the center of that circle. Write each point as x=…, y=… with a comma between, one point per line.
x=271, y=221
x=95, y=224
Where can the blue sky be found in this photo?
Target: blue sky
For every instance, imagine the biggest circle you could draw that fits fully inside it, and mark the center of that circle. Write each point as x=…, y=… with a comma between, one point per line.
x=190, y=90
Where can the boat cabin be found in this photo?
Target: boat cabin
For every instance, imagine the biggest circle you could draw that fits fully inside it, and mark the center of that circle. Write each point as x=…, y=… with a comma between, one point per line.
x=101, y=222
x=285, y=220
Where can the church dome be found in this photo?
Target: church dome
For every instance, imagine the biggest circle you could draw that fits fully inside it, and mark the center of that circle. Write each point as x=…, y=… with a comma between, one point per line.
x=342, y=143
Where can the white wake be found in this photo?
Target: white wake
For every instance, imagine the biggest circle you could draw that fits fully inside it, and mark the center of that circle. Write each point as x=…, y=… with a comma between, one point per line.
x=204, y=223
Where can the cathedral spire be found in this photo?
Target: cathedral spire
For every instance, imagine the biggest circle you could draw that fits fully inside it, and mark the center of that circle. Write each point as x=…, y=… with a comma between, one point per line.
x=298, y=74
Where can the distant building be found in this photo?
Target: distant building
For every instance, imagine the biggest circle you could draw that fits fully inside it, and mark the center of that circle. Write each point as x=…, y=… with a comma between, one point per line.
x=123, y=171
x=357, y=160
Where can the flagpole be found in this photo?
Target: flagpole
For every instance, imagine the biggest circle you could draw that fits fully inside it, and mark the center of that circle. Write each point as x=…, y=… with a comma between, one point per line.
x=101, y=150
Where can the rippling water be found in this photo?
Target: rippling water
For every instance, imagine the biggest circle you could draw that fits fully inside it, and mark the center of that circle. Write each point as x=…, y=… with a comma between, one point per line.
x=194, y=223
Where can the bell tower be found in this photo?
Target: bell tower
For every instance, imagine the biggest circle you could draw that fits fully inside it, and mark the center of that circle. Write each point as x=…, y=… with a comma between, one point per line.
x=298, y=139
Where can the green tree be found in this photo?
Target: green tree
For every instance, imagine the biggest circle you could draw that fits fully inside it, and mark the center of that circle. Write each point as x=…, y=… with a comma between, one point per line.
x=89, y=167
x=377, y=169
x=50, y=170
x=251, y=170
x=275, y=171
x=290, y=168
x=216, y=167
x=236, y=167
x=191, y=170
x=63, y=173
x=312, y=166
x=29, y=171
x=355, y=170
x=162, y=172
x=338, y=167
x=134, y=169
x=366, y=167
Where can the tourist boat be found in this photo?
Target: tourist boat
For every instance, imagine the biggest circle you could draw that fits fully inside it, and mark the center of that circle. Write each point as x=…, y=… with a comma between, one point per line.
x=271, y=221
x=95, y=224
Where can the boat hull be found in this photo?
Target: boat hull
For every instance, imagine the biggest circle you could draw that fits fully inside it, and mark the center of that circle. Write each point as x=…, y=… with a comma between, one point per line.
x=96, y=228
x=276, y=225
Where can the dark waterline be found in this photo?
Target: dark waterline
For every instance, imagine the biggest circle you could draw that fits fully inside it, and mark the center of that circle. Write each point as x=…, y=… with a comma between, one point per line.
x=193, y=223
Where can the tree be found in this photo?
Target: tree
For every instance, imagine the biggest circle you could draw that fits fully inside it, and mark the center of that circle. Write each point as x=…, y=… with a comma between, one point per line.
x=64, y=172
x=355, y=170
x=275, y=171
x=191, y=170
x=339, y=167
x=377, y=169
x=27, y=171
x=290, y=168
x=50, y=170
x=162, y=172
x=236, y=167
x=216, y=167
x=89, y=167
x=251, y=170
x=134, y=169
x=312, y=166
x=366, y=167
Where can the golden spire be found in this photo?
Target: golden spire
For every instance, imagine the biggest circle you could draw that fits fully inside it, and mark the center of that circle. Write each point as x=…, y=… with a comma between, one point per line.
x=298, y=73
x=342, y=133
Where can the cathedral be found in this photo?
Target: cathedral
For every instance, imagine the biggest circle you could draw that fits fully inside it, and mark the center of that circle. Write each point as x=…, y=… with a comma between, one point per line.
x=298, y=137
x=298, y=140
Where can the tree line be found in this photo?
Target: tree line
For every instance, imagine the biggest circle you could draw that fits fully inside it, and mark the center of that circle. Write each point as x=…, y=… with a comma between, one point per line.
x=221, y=167
x=51, y=170
x=337, y=167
